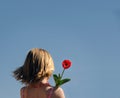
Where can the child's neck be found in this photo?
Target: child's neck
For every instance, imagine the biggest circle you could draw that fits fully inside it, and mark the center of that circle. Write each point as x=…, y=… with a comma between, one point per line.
x=45, y=80
x=40, y=83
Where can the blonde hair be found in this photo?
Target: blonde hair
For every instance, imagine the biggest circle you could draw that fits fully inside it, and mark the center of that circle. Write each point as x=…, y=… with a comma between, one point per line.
x=38, y=64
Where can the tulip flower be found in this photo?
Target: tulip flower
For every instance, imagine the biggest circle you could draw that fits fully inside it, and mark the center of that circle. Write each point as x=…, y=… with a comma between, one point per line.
x=58, y=78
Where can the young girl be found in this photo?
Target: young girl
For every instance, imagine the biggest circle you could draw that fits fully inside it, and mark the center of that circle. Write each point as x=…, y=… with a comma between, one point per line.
x=35, y=73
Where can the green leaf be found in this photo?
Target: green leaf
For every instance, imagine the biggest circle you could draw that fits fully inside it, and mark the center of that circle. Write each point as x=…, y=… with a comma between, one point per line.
x=59, y=76
x=55, y=78
x=64, y=81
x=59, y=81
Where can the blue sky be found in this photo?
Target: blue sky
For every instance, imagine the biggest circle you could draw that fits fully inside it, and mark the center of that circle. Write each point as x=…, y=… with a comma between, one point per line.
x=85, y=31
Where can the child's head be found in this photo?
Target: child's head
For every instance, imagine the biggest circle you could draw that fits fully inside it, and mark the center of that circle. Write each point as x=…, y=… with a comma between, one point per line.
x=38, y=65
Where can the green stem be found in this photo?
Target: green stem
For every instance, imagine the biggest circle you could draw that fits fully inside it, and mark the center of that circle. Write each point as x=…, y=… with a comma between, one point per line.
x=62, y=73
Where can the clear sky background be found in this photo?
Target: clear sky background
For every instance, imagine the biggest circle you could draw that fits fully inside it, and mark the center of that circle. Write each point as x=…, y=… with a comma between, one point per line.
x=85, y=31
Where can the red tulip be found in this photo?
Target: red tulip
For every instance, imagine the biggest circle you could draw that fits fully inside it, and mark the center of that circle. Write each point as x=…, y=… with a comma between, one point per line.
x=58, y=78
x=66, y=64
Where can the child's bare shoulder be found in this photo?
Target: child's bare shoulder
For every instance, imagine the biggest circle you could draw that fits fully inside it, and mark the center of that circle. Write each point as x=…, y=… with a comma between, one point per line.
x=23, y=91
x=58, y=93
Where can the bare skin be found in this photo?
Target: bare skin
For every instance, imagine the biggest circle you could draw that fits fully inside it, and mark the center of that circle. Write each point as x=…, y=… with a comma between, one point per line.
x=32, y=91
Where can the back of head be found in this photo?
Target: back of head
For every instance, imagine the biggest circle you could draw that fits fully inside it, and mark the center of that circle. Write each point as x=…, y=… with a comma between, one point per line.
x=38, y=64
